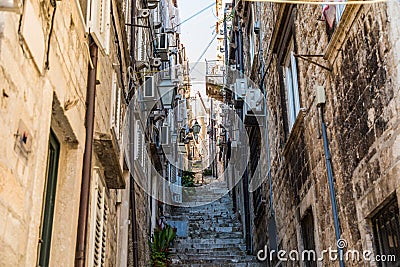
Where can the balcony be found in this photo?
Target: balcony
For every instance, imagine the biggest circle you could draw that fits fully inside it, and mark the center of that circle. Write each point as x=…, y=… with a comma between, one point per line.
x=215, y=79
x=106, y=148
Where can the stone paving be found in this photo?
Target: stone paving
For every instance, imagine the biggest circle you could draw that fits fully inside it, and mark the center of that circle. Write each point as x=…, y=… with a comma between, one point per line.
x=212, y=235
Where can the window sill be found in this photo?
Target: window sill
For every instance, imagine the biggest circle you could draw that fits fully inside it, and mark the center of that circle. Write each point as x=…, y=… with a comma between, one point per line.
x=349, y=15
x=294, y=131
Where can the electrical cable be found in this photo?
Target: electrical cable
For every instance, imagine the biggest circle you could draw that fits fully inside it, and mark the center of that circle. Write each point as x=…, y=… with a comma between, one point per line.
x=202, y=54
x=357, y=2
x=194, y=15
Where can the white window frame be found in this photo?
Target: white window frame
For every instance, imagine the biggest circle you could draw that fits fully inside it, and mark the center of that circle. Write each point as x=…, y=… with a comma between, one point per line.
x=339, y=11
x=291, y=85
x=252, y=43
x=115, y=112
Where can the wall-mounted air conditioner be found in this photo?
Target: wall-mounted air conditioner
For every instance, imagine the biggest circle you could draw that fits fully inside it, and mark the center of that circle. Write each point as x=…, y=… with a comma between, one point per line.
x=254, y=101
x=240, y=89
x=162, y=46
x=177, y=73
x=98, y=22
x=155, y=62
x=148, y=87
x=143, y=13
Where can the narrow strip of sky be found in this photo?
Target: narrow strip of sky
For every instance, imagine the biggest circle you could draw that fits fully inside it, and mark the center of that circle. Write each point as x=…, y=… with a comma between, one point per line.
x=198, y=31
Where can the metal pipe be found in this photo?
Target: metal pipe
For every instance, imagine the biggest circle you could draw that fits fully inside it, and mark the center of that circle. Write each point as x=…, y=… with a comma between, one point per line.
x=80, y=252
x=271, y=222
x=132, y=182
x=246, y=203
x=328, y=160
x=240, y=43
x=225, y=39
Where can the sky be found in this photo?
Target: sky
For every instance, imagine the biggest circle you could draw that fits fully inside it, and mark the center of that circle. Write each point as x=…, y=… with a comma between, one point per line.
x=197, y=32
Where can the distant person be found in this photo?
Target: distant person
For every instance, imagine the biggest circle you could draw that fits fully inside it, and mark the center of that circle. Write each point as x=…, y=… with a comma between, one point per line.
x=221, y=151
x=228, y=150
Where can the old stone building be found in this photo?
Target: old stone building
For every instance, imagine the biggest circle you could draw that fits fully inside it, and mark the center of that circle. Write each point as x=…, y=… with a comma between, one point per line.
x=66, y=80
x=356, y=61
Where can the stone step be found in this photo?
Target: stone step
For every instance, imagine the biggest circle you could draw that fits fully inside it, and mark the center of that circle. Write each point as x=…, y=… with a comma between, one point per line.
x=218, y=260
x=218, y=265
x=208, y=241
x=223, y=246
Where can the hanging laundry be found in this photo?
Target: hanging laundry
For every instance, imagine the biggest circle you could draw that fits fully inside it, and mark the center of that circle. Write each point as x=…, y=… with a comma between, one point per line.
x=329, y=13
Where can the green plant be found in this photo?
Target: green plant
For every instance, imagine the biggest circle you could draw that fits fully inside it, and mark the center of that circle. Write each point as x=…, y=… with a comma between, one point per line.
x=159, y=246
x=207, y=172
x=188, y=179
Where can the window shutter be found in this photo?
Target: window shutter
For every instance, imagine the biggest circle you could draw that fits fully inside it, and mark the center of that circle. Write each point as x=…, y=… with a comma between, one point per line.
x=99, y=211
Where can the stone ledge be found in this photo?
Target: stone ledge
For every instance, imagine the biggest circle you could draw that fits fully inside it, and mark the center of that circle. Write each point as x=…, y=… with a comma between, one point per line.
x=106, y=149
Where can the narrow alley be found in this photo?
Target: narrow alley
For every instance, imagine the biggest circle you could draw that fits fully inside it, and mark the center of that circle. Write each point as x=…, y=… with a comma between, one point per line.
x=170, y=133
x=212, y=234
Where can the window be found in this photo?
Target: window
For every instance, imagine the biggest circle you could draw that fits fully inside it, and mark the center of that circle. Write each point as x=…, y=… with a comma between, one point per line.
x=291, y=85
x=339, y=12
x=98, y=225
x=307, y=231
x=386, y=227
x=49, y=199
x=115, y=107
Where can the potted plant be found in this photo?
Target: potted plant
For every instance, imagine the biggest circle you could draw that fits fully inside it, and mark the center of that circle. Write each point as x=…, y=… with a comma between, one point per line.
x=160, y=246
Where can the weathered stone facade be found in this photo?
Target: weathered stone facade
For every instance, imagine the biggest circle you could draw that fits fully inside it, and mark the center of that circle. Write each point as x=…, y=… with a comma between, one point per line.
x=361, y=80
x=54, y=99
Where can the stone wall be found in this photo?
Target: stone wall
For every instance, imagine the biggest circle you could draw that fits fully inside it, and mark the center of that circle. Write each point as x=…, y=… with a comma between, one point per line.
x=362, y=119
x=53, y=100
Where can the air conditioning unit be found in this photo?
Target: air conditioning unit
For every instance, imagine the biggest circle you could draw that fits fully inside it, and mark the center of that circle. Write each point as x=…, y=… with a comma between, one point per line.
x=240, y=89
x=98, y=22
x=155, y=62
x=143, y=13
x=254, y=101
x=148, y=87
x=162, y=46
x=177, y=74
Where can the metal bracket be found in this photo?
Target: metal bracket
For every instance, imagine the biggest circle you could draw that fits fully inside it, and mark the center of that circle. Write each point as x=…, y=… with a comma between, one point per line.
x=306, y=58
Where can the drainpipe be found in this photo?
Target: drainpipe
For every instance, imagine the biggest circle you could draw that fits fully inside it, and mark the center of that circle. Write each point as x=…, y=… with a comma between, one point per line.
x=80, y=253
x=226, y=40
x=328, y=160
x=132, y=182
x=271, y=221
x=246, y=196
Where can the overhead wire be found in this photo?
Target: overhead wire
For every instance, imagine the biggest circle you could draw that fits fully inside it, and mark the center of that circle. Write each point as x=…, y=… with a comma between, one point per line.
x=202, y=54
x=196, y=14
x=356, y=2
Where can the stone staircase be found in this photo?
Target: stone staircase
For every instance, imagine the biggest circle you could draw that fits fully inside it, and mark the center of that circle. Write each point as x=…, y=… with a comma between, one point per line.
x=212, y=235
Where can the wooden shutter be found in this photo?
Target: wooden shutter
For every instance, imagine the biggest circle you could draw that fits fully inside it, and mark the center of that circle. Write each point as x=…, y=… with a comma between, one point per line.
x=99, y=219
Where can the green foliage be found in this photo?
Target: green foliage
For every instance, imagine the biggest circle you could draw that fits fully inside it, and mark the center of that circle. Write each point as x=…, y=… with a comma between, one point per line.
x=162, y=241
x=188, y=179
x=207, y=172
